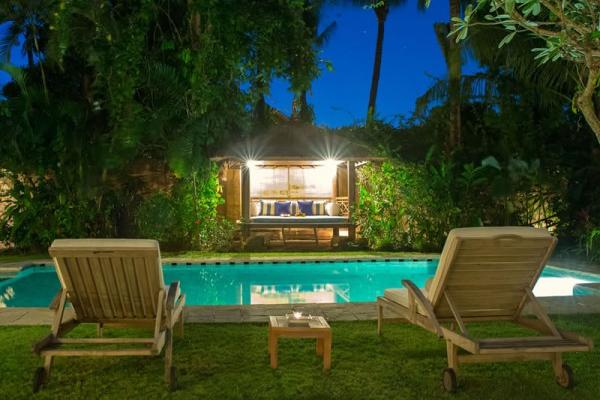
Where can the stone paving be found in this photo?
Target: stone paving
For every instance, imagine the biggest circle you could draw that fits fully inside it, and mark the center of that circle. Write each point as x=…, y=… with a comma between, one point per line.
x=331, y=312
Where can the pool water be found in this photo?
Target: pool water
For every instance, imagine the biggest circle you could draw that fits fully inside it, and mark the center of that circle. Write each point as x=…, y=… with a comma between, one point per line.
x=278, y=283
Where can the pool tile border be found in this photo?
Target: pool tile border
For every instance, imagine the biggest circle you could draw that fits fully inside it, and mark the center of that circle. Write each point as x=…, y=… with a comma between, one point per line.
x=14, y=268
x=298, y=261
x=259, y=313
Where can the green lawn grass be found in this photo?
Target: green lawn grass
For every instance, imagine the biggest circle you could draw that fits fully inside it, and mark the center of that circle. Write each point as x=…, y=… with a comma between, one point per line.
x=14, y=258
x=229, y=361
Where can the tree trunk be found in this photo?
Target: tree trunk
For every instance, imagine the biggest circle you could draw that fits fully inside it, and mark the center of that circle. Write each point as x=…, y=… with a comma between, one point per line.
x=585, y=99
x=381, y=12
x=194, y=26
x=261, y=117
x=454, y=78
x=29, y=46
x=30, y=61
x=300, y=109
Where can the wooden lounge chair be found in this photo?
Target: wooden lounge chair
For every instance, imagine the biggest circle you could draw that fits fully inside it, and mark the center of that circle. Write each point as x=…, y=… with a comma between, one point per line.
x=111, y=282
x=487, y=274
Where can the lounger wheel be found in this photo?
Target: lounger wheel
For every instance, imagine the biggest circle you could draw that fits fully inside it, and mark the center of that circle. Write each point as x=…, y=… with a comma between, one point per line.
x=172, y=379
x=449, y=380
x=566, y=377
x=38, y=379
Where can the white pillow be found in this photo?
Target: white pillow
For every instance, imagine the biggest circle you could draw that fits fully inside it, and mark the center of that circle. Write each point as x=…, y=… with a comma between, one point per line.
x=257, y=207
x=332, y=209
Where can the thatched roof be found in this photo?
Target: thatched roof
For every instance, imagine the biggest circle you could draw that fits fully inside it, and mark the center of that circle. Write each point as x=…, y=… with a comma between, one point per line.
x=296, y=142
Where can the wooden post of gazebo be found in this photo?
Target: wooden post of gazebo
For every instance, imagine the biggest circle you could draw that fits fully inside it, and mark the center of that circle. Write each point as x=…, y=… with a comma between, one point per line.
x=245, y=183
x=351, y=196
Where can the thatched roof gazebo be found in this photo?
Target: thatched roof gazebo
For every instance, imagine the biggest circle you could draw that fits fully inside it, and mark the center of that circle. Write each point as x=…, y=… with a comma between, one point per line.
x=291, y=163
x=296, y=142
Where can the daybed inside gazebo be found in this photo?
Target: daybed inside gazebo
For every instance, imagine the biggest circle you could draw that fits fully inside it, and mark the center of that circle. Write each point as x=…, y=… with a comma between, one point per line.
x=292, y=178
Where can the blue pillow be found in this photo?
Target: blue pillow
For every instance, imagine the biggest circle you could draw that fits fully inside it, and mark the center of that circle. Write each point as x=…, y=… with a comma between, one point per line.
x=282, y=207
x=305, y=207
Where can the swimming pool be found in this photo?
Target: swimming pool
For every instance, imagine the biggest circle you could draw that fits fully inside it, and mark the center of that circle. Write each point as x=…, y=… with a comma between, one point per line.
x=283, y=282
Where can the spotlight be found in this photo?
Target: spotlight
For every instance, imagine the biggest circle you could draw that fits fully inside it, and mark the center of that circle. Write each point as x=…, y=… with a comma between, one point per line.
x=251, y=164
x=330, y=166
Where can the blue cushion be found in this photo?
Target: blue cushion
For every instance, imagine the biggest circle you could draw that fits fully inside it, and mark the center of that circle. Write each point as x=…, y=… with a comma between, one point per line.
x=282, y=207
x=305, y=207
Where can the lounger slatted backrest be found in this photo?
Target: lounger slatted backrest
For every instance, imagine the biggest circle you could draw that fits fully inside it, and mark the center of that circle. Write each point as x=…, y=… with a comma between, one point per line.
x=486, y=272
x=109, y=279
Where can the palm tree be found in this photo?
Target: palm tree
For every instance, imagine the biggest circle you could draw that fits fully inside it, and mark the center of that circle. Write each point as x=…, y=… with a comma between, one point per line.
x=301, y=110
x=454, y=64
x=453, y=56
x=549, y=82
x=28, y=20
x=382, y=9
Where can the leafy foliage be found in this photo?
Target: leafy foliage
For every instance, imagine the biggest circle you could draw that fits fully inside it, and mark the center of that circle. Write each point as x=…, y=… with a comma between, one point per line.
x=427, y=200
x=186, y=215
x=592, y=245
x=569, y=30
x=115, y=85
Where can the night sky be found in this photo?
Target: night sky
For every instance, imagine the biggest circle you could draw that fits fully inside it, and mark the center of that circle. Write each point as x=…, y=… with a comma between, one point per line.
x=411, y=60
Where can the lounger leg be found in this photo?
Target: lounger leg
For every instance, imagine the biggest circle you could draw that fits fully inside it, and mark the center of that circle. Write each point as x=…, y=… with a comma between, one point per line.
x=379, y=317
x=452, y=351
x=181, y=324
x=169, y=356
x=557, y=364
x=47, y=366
x=327, y=352
x=320, y=346
x=99, y=329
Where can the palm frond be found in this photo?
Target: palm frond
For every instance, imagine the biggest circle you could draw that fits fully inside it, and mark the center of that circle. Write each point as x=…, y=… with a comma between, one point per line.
x=7, y=42
x=17, y=75
x=517, y=56
x=422, y=5
x=325, y=34
x=442, y=30
x=437, y=93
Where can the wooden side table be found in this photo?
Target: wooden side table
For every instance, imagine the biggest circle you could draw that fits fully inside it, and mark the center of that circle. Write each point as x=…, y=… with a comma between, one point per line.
x=318, y=329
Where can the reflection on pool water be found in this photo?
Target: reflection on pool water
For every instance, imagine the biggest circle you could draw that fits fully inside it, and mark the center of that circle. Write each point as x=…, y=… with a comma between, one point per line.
x=279, y=283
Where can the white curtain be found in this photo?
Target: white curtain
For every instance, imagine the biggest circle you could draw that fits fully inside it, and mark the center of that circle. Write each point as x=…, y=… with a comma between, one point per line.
x=298, y=182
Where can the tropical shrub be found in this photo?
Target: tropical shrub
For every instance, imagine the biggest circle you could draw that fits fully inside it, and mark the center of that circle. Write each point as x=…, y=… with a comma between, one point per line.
x=156, y=218
x=38, y=211
x=413, y=206
x=592, y=245
x=186, y=217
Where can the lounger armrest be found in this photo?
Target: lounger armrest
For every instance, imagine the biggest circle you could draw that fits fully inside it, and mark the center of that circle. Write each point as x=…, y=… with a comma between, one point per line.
x=173, y=295
x=415, y=294
x=54, y=303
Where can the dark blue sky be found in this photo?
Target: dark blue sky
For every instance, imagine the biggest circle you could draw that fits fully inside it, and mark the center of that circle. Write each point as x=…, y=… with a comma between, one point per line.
x=411, y=59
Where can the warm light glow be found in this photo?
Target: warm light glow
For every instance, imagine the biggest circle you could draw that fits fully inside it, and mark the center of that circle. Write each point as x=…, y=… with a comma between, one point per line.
x=331, y=162
x=251, y=164
x=330, y=166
